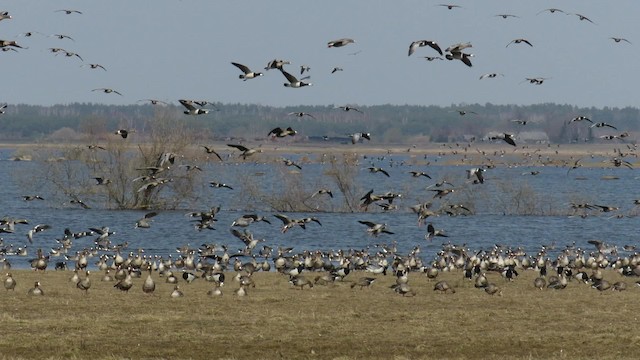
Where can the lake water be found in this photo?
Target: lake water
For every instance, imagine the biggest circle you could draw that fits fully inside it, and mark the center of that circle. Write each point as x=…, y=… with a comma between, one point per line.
x=543, y=216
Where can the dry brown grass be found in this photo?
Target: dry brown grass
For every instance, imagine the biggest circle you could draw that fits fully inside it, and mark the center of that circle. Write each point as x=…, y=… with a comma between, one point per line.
x=276, y=321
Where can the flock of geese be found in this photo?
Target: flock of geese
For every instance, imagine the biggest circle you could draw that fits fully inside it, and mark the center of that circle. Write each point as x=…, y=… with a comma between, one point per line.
x=215, y=265
x=359, y=268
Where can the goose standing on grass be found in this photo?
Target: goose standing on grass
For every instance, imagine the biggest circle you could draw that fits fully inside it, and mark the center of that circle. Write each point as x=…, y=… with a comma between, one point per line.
x=293, y=82
x=176, y=293
x=36, y=290
x=248, y=74
x=363, y=282
x=149, y=286
x=443, y=287
x=84, y=284
x=9, y=282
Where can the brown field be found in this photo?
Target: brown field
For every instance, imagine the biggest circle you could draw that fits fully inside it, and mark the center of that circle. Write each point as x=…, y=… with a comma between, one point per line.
x=276, y=321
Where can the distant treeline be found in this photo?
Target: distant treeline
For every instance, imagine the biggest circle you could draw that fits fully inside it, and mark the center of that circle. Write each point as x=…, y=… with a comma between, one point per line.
x=387, y=123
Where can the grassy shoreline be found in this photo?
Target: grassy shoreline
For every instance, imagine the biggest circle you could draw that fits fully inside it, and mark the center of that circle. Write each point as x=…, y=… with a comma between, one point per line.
x=327, y=322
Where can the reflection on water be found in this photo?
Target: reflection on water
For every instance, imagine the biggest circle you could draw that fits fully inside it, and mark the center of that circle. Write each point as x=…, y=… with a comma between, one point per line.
x=498, y=205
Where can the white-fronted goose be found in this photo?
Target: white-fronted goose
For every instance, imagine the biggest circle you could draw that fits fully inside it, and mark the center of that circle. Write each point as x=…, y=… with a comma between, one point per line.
x=492, y=289
x=300, y=281
x=363, y=282
x=443, y=287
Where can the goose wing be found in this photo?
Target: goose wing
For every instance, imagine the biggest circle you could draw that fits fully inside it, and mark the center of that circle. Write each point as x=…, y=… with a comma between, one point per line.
x=243, y=68
x=292, y=79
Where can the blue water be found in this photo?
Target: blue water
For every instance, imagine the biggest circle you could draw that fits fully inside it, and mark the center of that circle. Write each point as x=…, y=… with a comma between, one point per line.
x=544, y=215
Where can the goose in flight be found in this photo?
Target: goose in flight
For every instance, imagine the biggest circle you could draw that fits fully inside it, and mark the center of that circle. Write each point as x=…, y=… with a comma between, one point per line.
x=433, y=232
x=619, y=39
x=293, y=82
x=340, y=42
x=279, y=132
x=153, y=101
x=276, y=64
x=94, y=66
x=519, y=41
x=551, y=11
x=357, y=137
x=506, y=16
x=421, y=43
x=375, y=229
x=580, y=118
x=583, y=18
x=455, y=53
x=490, y=75
x=508, y=138
x=145, y=221
x=13, y=43
x=374, y=170
x=450, y=6
x=191, y=109
x=69, y=11
x=246, y=152
x=301, y=114
x=603, y=124
x=248, y=74
x=107, y=91
x=124, y=133
x=349, y=108
x=209, y=150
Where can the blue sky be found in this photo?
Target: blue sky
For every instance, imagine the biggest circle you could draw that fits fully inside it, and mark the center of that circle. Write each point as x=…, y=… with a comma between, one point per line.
x=171, y=49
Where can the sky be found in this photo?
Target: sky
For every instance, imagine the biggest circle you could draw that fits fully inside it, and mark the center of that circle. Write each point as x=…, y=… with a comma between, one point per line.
x=172, y=49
